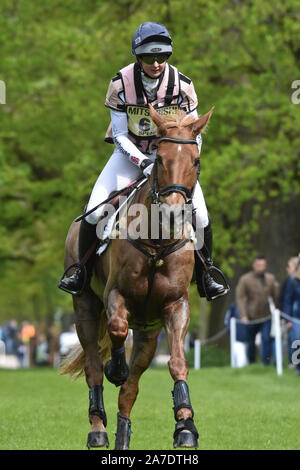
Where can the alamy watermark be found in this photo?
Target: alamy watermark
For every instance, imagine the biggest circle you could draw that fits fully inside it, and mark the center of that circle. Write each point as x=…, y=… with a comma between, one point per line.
x=2, y=92
x=155, y=222
x=295, y=98
x=296, y=354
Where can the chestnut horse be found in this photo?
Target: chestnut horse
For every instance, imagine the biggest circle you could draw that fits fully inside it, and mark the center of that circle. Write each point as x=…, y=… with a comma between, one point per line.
x=147, y=289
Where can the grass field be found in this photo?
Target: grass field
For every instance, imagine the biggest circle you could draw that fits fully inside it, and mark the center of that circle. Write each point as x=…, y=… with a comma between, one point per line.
x=235, y=409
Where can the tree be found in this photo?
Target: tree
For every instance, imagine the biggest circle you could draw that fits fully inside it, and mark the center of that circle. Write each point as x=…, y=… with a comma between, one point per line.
x=58, y=58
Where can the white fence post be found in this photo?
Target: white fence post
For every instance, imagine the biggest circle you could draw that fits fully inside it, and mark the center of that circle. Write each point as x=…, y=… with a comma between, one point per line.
x=197, y=354
x=2, y=348
x=278, y=342
x=232, y=341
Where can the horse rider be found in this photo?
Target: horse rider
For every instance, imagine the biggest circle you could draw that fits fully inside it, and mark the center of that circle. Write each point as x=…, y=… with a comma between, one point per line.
x=151, y=79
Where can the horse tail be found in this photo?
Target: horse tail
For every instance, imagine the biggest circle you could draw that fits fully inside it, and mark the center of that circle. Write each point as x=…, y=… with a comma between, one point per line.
x=73, y=363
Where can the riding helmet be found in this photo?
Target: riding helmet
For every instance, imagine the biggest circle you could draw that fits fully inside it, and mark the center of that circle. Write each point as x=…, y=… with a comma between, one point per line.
x=151, y=38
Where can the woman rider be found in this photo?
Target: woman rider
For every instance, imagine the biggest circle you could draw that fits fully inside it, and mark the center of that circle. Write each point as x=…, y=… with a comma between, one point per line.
x=149, y=80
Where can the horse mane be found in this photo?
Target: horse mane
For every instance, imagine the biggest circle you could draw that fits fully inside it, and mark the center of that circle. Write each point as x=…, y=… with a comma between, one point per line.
x=178, y=120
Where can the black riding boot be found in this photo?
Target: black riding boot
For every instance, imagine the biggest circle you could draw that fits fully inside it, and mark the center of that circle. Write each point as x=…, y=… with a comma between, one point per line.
x=207, y=286
x=75, y=283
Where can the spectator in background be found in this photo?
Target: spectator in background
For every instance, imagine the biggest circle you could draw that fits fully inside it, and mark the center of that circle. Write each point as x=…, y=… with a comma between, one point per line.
x=41, y=351
x=27, y=334
x=252, y=293
x=291, y=306
x=240, y=346
x=11, y=337
x=290, y=269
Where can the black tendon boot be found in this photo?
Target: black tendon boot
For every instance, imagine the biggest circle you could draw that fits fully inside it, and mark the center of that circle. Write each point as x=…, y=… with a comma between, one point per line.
x=116, y=369
x=87, y=238
x=123, y=433
x=97, y=438
x=207, y=286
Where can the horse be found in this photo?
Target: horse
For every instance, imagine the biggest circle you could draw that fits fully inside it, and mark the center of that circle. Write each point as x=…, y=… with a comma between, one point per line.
x=145, y=288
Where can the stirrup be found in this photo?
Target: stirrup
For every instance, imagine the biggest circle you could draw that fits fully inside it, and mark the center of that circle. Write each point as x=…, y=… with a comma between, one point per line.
x=78, y=266
x=210, y=270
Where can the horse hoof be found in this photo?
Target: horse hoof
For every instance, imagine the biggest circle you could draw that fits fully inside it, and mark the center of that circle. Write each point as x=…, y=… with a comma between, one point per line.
x=114, y=376
x=185, y=439
x=123, y=433
x=186, y=434
x=97, y=439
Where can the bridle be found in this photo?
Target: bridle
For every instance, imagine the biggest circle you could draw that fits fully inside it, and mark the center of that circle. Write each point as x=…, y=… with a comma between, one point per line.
x=187, y=193
x=161, y=251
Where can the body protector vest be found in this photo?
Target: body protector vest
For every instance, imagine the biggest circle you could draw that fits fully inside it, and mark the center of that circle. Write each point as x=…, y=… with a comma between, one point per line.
x=126, y=94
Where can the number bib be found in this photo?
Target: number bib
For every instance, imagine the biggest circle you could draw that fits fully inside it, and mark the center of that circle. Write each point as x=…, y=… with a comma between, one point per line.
x=140, y=123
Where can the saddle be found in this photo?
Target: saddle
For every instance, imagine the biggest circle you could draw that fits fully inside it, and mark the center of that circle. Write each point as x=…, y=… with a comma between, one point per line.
x=114, y=200
x=100, y=244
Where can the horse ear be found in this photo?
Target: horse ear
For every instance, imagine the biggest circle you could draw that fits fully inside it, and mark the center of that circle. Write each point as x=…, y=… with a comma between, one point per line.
x=199, y=126
x=156, y=118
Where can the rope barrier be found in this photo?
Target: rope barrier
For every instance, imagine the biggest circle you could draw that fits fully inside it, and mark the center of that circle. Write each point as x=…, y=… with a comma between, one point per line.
x=250, y=322
x=216, y=336
x=255, y=322
x=226, y=330
x=288, y=317
x=275, y=316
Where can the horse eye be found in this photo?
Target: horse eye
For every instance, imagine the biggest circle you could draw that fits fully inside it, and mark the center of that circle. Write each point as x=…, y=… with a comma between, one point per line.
x=196, y=162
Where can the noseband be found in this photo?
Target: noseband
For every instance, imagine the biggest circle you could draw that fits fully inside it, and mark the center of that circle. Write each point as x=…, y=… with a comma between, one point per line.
x=155, y=192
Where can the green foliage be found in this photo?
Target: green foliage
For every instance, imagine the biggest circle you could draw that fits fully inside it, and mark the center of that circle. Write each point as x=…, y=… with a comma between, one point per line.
x=57, y=60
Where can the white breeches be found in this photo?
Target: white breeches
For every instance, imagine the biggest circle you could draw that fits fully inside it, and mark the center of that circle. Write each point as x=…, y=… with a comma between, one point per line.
x=118, y=173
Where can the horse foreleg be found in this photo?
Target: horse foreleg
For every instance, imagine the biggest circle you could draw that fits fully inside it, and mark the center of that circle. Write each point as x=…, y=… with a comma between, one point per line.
x=87, y=320
x=176, y=321
x=116, y=369
x=143, y=350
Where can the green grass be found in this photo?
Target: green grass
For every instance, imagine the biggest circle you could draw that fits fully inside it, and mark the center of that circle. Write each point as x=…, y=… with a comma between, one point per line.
x=249, y=408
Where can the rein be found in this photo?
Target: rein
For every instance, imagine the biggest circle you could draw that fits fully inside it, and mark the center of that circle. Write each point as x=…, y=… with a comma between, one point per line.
x=162, y=251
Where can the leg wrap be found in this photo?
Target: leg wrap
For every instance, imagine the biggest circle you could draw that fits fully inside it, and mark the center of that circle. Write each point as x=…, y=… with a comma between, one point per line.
x=123, y=433
x=96, y=403
x=116, y=369
x=181, y=397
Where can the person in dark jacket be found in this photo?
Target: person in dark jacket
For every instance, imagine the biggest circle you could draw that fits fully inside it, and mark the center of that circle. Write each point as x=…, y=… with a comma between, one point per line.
x=291, y=306
x=290, y=270
x=252, y=298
